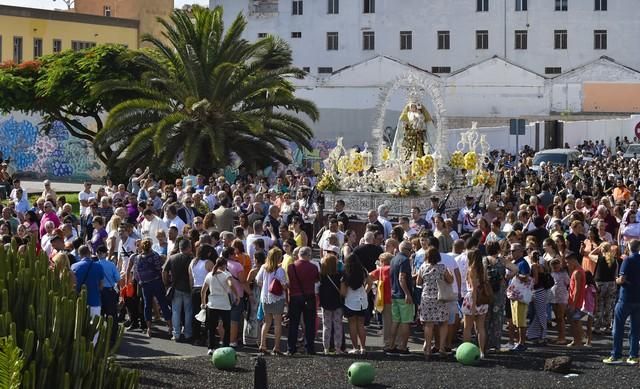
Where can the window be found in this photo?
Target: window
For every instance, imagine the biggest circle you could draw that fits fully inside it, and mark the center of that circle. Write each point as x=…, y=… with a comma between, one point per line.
x=562, y=5
x=560, y=39
x=553, y=70
x=325, y=70
x=601, y=5
x=107, y=11
x=441, y=69
x=406, y=40
x=444, y=40
x=482, y=5
x=17, y=49
x=333, y=7
x=296, y=34
x=81, y=45
x=521, y=39
x=332, y=41
x=57, y=45
x=296, y=8
x=368, y=40
x=262, y=35
x=306, y=69
x=482, y=40
x=521, y=5
x=600, y=39
x=369, y=7
x=37, y=48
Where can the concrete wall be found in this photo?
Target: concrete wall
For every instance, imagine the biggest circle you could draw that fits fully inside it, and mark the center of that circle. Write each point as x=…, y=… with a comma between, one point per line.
x=577, y=131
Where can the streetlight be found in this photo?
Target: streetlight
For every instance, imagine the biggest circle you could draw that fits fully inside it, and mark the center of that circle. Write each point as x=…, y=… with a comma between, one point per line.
x=69, y=3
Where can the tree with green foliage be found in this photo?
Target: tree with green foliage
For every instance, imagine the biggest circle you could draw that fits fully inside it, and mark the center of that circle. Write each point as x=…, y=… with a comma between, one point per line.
x=207, y=94
x=46, y=331
x=59, y=87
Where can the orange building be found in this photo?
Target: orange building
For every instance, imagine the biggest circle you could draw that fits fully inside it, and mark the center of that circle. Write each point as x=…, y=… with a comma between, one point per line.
x=145, y=11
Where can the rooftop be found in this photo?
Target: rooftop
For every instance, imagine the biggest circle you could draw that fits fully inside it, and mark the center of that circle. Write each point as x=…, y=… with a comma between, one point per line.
x=66, y=16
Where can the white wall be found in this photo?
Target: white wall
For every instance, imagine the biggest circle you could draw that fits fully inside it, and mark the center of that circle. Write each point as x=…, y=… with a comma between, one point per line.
x=426, y=18
x=576, y=132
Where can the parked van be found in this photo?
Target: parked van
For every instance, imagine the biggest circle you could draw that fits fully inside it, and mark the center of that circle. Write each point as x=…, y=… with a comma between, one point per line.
x=562, y=157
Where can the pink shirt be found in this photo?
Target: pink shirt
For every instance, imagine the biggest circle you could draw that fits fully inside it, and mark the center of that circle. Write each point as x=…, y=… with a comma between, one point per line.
x=235, y=268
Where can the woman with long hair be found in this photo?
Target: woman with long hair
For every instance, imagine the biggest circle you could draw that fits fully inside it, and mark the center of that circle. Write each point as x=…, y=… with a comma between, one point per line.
x=61, y=264
x=331, y=303
x=113, y=238
x=209, y=223
x=350, y=243
x=445, y=241
x=269, y=275
x=537, y=330
x=148, y=270
x=355, y=285
x=252, y=329
x=221, y=293
x=474, y=314
x=199, y=267
x=590, y=244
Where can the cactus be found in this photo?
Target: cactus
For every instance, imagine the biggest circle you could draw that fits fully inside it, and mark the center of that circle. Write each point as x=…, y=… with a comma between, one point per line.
x=50, y=323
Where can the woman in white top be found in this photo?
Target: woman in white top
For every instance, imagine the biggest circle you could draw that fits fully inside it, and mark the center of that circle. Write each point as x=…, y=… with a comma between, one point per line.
x=221, y=291
x=355, y=285
x=199, y=267
x=113, y=238
x=272, y=304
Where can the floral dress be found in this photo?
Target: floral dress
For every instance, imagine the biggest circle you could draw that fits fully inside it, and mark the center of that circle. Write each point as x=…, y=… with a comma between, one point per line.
x=467, y=304
x=432, y=310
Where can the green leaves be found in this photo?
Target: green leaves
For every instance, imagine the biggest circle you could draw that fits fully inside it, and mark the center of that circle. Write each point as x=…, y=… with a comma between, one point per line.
x=11, y=364
x=207, y=94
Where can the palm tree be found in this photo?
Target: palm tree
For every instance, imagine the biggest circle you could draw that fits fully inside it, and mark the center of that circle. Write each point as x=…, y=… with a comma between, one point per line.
x=207, y=94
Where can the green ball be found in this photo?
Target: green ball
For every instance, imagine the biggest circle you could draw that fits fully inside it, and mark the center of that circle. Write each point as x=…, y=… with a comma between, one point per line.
x=468, y=354
x=361, y=373
x=224, y=358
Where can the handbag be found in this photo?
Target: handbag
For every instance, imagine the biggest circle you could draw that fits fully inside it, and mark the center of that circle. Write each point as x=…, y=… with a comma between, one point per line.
x=484, y=294
x=275, y=286
x=445, y=291
x=519, y=291
x=546, y=280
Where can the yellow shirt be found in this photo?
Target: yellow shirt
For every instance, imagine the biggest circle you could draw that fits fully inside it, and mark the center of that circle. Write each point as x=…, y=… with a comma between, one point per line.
x=286, y=261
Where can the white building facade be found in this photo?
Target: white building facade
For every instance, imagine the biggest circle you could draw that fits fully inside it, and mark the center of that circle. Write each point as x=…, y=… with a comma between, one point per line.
x=492, y=59
x=442, y=36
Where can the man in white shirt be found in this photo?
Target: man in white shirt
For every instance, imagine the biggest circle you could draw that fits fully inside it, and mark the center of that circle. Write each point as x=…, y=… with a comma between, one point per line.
x=383, y=214
x=126, y=249
x=151, y=224
x=467, y=217
x=432, y=212
x=409, y=232
x=209, y=198
x=171, y=218
x=14, y=192
x=258, y=234
x=84, y=196
x=333, y=229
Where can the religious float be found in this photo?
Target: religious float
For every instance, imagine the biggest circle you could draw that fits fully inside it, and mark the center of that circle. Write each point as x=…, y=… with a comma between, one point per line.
x=413, y=168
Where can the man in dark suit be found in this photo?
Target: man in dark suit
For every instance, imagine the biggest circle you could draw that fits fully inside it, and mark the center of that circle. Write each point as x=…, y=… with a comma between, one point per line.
x=188, y=212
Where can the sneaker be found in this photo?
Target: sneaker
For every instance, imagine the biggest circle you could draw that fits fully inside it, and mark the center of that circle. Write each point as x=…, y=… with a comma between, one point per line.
x=509, y=346
x=210, y=351
x=354, y=351
x=390, y=351
x=404, y=353
x=612, y=361
x=632, y=361
x=233, y=344
x=519, y=347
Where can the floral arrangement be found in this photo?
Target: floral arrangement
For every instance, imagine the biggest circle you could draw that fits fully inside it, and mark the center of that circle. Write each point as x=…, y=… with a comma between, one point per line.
x=457, y=160
x=405, y=188
x=356, y=163
x=422, y=166
x=386, y=154
x=470, y=160
x=328, y=182
x=484, y=178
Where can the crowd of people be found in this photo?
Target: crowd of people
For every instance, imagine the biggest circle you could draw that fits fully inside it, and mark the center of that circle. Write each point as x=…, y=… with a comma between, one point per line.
x=225, y=263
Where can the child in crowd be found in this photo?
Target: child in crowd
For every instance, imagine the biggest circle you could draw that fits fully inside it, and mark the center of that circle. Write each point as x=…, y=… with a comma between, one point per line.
x=590, y=303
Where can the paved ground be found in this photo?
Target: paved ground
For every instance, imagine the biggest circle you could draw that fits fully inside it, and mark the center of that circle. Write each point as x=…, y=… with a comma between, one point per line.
x=59, y=187
x=167, y=364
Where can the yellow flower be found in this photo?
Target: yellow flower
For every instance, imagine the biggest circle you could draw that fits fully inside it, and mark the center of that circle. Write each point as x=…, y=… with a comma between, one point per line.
x=457, y=160
x=386, y=154
x=470, y=160
x=343, y=164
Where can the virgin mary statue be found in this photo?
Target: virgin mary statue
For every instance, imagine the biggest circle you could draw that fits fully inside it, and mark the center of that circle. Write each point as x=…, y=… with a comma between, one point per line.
x=412, y=132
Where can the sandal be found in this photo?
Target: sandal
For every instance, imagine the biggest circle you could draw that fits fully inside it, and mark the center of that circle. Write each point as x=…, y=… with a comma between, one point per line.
x=263, y=351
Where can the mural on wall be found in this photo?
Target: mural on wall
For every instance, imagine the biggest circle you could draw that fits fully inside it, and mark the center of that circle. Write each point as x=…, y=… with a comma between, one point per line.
x=57, y=155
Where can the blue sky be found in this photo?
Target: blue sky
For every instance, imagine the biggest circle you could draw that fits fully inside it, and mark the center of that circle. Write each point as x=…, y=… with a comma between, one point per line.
x=50, y=4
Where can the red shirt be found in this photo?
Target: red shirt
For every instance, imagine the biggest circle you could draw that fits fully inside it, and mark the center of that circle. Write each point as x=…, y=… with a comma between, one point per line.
x=305, y=273
x=386, y=281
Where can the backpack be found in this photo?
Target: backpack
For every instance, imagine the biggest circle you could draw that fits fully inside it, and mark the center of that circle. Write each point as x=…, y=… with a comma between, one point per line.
x=495, y=275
